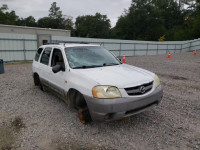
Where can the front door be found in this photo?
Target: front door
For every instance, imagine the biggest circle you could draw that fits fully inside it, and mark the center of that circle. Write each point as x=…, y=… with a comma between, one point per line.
x=58, y=79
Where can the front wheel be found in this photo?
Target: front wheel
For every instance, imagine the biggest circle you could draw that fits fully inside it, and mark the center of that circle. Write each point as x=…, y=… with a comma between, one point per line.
x=84, y=115
x=79, y=104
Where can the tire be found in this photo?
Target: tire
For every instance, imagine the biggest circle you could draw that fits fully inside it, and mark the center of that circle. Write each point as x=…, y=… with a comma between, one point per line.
x=41, y=87
x=79, y=104
x=37, y=81
x=84, y=115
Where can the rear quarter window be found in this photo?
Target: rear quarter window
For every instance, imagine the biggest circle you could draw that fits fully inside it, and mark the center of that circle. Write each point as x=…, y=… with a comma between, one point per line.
x=37, y=55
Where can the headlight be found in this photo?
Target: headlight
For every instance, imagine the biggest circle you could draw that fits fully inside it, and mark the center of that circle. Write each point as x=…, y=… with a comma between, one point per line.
x=157, y=80
x=106, y=92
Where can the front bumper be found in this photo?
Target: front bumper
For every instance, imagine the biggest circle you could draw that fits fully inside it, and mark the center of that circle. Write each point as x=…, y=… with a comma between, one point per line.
x=115, y=109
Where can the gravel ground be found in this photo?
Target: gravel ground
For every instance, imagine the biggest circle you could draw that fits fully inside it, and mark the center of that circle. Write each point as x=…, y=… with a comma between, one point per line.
x=45, y=122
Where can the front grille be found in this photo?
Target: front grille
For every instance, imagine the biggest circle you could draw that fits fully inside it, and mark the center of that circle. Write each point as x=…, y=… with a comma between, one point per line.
x=139, y=90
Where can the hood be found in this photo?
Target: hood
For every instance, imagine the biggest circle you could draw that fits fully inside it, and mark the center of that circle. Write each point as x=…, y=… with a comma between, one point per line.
x=121, y=76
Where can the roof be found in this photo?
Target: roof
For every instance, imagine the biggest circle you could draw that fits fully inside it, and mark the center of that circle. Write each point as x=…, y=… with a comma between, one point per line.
x=25, y=27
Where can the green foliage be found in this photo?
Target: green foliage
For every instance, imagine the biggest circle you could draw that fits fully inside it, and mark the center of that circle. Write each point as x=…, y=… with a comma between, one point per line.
x=97, y=26
x=47, y=22
x=55, y=12
x=29, y=21
x=144, y=20
x=148, y=19
x=68, y=22
x=4, y=7
x=56, y=19
x=195, y=31
x=7, y=17
x=162, y=38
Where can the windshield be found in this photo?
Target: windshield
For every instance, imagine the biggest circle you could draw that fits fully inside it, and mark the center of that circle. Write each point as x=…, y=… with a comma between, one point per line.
x=90, y=57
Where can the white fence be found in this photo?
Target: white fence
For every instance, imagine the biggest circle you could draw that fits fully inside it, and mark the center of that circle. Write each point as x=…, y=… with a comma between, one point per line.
x=22, y=47
x=17, y=47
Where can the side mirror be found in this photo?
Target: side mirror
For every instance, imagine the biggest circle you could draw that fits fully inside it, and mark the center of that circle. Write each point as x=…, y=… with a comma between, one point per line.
x=58, y=68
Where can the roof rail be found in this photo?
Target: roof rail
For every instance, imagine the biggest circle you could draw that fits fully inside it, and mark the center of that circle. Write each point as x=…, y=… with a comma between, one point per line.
x=52, y=43
x=69, y=42
x=77, y=42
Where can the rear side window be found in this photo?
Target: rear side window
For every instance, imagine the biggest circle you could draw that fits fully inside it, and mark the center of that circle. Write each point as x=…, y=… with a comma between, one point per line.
x=37, y=55
x=45, y=56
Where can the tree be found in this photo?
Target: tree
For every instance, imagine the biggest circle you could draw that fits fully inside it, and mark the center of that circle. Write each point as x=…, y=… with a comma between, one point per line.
x=162, y=38
x=4, y=7
x=55, y=12
x=68, y=22
x=122, y=29
x=7, y=17
x=29, y=21
x=47, y=22
x=148, y=20
x=195, y=30
x=97, y=26
x=56, y=19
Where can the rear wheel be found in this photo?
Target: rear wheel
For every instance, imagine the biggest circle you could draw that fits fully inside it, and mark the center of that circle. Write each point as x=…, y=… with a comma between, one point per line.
x=37, y=81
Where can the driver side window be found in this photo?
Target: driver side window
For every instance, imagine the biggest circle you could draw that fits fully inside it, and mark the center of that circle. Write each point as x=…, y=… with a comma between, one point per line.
x=57, y=58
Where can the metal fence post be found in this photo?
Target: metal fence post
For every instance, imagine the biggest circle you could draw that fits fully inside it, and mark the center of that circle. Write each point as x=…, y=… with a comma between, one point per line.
x=134, y=49
x=181, y=48
x=167, y=49
x=120, y=49
x=147, y=49
x=37, y=40
x=24, y=49
x=190, y=46
x=157, y=49
x=175, y=48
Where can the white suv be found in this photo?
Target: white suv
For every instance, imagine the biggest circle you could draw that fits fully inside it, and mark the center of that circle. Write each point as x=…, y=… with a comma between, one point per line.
x=92, y=80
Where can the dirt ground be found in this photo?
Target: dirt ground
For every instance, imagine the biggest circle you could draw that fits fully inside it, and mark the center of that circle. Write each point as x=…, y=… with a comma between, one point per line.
x=32, y=119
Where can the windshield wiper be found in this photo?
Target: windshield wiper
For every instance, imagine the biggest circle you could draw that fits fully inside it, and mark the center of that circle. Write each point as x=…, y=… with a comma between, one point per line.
x=95, y=66
x=110, y=64
x=85, y=67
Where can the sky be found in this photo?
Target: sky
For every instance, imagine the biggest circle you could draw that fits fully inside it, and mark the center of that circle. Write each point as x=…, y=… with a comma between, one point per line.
x=39, y=8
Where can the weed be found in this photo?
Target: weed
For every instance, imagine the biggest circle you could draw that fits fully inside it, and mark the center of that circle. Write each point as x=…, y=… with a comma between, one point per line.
x=7, y=138
x=17, y=124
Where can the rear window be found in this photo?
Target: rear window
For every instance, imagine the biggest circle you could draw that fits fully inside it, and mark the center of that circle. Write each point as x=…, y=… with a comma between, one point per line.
x=45, y=56
x=37, y=55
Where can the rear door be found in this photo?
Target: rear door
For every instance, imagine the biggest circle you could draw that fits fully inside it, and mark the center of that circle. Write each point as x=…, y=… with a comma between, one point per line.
x=36, y=63
x=45, y=69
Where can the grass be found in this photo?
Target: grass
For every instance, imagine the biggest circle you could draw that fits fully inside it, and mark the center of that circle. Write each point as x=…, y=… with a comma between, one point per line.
x=18, y=63
x=59, y=145
x=7, y=138
x=17, y=124
x=9, y=133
